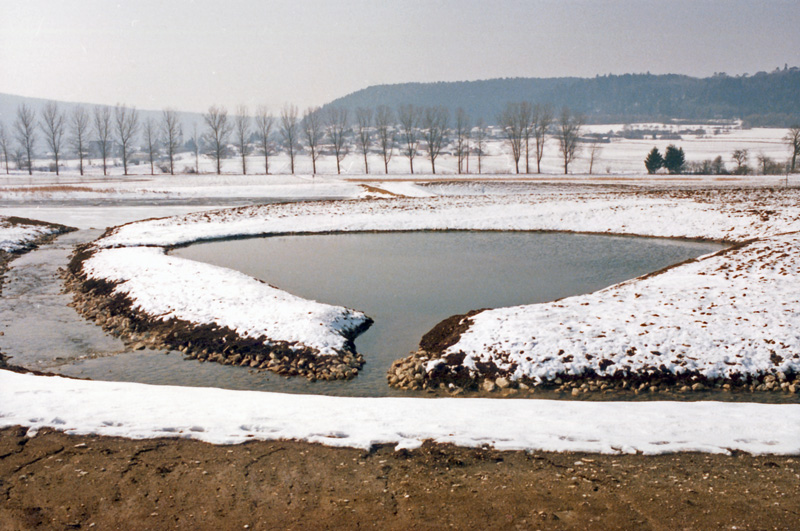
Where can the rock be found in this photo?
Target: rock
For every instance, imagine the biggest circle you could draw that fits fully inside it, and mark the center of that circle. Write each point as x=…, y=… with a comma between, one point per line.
x=502, y=382
x=489, y=386
x=576, y=391
x=138, y=346
x=697, y=386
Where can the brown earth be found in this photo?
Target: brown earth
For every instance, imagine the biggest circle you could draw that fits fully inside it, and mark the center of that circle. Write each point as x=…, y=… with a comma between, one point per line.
x=59, y=481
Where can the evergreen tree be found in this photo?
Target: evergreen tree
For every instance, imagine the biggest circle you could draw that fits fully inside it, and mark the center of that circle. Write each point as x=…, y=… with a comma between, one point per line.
x=674, y=159
x=654, y=161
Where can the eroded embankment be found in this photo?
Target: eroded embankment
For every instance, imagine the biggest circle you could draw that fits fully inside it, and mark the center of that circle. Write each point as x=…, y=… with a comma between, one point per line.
x=119, y=314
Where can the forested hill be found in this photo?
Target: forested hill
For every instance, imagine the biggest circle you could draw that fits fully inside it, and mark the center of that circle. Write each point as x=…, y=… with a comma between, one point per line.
x=765, y=99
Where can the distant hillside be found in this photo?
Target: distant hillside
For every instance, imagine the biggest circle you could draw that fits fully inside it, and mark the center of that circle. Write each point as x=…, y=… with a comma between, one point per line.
x=9, y=104
x=765, y=99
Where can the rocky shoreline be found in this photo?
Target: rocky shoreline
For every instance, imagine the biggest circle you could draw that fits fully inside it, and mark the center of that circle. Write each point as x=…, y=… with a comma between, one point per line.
x=410, y=374
x=430, y=369
x=116, y=314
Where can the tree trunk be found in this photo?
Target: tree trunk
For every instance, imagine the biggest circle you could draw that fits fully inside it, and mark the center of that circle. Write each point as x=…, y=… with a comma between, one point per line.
x=366, y=165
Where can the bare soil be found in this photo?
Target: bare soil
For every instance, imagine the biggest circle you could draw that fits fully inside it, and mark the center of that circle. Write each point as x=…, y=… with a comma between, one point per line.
x=59, y=481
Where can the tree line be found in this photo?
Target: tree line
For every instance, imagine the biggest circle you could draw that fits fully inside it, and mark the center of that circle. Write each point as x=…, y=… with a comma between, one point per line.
x=409, y=130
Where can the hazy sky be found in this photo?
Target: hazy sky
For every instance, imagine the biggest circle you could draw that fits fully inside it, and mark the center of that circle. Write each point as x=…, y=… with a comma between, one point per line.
x=189, y=54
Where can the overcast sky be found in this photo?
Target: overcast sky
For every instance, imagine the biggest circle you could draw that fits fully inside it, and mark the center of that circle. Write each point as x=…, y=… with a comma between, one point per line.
x=189, y=54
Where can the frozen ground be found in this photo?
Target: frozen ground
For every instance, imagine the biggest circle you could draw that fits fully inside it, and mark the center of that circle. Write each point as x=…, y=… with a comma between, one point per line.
x=765, y=267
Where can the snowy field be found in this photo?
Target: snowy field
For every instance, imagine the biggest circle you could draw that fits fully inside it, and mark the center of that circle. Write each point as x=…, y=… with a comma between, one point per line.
x=762, y=269
x=228, y=417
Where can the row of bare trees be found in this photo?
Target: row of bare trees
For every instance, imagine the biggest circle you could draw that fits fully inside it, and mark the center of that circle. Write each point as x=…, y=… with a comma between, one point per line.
x=411, y=131
x=318, y=129
x=527, y=126
x=106, y=128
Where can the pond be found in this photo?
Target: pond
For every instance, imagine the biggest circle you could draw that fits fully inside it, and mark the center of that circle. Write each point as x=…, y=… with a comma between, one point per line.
x=409, y=281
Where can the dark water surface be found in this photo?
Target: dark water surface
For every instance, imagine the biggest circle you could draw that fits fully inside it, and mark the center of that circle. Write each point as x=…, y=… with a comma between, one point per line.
x=409, y=281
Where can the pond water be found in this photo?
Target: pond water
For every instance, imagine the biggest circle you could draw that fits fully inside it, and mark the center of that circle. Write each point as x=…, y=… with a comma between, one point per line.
x=409, y=281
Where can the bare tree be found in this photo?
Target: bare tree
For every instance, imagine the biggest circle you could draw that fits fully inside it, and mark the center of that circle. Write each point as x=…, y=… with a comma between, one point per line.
x=4, y=144
x=513, y=130
x=409, y=117
x=544, y=119
x=196, y=140
x=312, y=130
x=289, y=131
x=102, y=126
x=434, y=125
x=264, y=123
x=25, y=127
x=740, y=157
x=52, y=124
x=241, y=129
x=218, y=132
x=336, y=125
x=594, y=153
x=364, y=133
x=793, y=140
x=527, y=124
x=462, y=138
x=765, y=162
x=79, y=123
x=151, y=140
x=126, y=120
x=383, y=126
x=479, y=136
x=172, y=133
x=569, y=131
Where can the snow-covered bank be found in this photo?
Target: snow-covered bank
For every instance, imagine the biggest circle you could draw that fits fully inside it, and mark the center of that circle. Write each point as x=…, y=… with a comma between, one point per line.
x=230, y=417
x=213, y=313
x=19, y=234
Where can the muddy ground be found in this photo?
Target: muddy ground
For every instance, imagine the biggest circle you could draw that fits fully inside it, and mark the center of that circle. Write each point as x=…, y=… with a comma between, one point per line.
x=58, y=481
